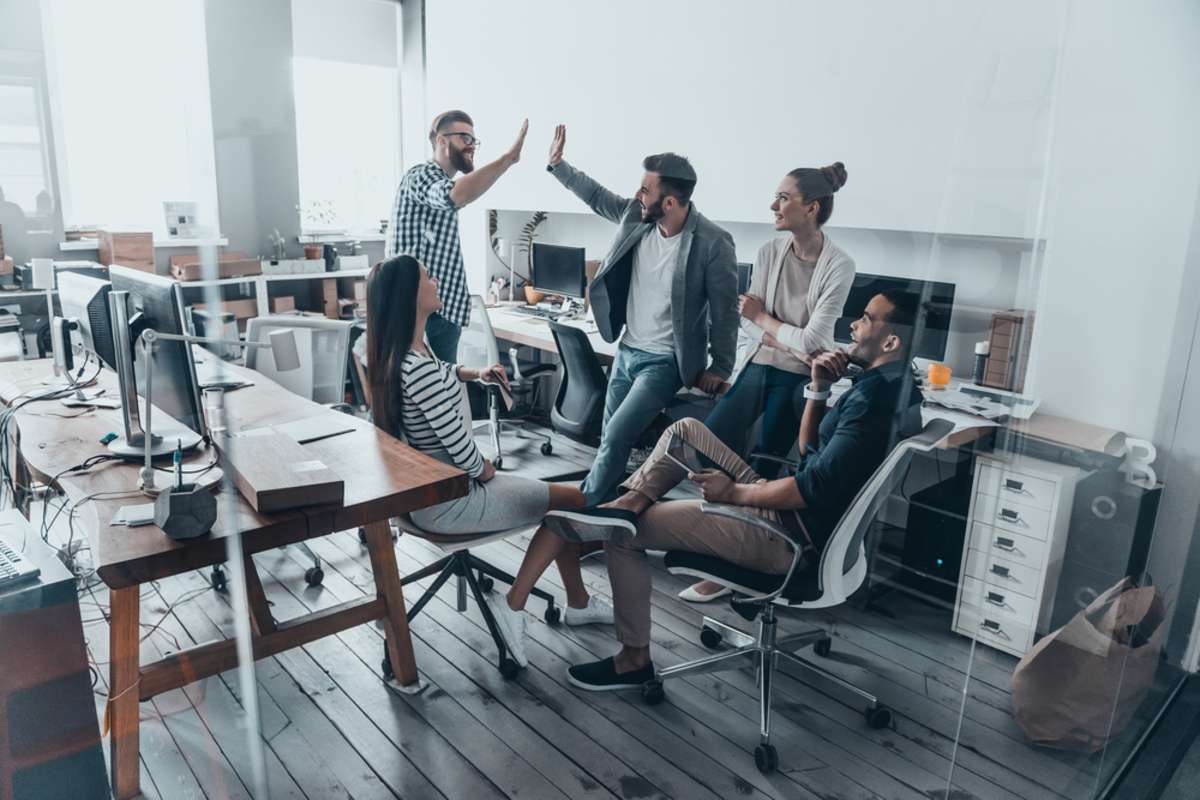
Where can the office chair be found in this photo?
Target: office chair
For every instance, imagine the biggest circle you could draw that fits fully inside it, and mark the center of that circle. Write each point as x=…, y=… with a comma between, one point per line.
x=473, y=573
x=839, y=573
x=478, y=348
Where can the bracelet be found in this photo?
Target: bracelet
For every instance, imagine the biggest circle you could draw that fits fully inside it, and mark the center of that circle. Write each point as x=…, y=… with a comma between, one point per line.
x=809, y=394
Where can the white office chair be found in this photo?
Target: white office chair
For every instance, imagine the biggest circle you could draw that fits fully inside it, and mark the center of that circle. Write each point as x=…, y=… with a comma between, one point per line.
x=839, y=573
x=478, y=348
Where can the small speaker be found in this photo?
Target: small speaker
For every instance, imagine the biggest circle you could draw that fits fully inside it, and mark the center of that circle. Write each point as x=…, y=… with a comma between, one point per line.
x=1112, y=522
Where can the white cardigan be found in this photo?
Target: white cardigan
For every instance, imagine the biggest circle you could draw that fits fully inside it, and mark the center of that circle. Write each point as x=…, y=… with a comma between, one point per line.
x=831, y=281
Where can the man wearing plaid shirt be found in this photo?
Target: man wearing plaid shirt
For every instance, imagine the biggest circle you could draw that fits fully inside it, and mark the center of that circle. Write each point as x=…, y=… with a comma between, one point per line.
x=425, y=219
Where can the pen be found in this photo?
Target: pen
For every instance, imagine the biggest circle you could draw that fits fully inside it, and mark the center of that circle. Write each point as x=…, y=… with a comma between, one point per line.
x=178, y=459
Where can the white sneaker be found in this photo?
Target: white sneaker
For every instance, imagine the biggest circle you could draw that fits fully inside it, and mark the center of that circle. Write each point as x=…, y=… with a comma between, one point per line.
x=512, y=627
x=597, y=612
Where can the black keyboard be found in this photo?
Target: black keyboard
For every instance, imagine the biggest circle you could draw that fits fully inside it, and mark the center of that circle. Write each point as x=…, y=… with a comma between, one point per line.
x=534, y=311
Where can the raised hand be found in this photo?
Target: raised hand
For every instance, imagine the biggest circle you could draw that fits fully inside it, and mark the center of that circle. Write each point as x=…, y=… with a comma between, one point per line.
x=557, y=144
x=514, y=153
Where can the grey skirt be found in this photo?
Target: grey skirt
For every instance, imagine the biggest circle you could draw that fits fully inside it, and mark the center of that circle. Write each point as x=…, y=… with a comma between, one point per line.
x=506, y=501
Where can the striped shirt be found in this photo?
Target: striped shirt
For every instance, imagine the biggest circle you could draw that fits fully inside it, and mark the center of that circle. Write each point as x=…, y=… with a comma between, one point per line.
x=425, y=226
x=432, y=413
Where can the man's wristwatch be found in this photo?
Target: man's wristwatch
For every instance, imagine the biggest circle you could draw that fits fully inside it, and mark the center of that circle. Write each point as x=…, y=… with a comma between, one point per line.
x=549, y=168
x=810, y=394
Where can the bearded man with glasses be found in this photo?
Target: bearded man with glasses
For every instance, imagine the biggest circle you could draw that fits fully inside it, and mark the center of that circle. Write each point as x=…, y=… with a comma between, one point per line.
x=424, y=219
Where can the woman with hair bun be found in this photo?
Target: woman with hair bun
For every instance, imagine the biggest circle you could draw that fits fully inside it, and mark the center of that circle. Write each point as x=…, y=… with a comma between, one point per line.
x=797, y=290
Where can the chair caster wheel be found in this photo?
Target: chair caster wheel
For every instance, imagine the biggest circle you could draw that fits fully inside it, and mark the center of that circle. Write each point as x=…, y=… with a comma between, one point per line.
x=823, y=646
x=553, y=615
x=547, y=448
x=766, y=758
x=362, y=535
x=710, y=638
x=486, y=584
x=218, y=579
x=509, y=668
x=498, y=462
x=652, y=692
x=879, y=717
x=313, y=576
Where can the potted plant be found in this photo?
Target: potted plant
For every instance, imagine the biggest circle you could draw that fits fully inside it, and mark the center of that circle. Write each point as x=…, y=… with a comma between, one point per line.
x=317, y=218
x=525, y=248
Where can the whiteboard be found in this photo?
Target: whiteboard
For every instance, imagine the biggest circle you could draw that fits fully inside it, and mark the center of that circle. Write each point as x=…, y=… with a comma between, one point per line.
x=940, y=109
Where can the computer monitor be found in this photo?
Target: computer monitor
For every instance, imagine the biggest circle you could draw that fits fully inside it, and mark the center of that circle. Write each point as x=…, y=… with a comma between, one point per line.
x=559, y=270
x=156, y=302
x=745, y=271
x=933, y=323
x=84, y=299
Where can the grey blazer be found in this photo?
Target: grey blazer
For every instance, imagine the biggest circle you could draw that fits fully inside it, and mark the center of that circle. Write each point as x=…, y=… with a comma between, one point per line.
x=704, y=285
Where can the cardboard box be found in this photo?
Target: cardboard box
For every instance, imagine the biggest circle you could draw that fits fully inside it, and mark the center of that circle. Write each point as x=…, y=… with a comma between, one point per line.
x=360, y=291
x=242, y=310
x=330, y=299
x=229, y=265
x=129, y=249
x=284, y=302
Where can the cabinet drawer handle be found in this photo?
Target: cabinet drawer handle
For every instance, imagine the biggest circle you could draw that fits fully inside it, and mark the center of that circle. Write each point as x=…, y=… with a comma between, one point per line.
x=1004, y=543
x=991, y=626
x=999, y=570
x=1017, y=487
x=1008, y=515
x=996, y=599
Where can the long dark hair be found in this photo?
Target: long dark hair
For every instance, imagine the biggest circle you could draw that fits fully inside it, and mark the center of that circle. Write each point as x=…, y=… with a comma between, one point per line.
x=392, y=314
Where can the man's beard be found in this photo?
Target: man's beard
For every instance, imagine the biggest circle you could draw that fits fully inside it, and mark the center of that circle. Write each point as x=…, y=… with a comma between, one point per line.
x=461, y=162
x=652, y=212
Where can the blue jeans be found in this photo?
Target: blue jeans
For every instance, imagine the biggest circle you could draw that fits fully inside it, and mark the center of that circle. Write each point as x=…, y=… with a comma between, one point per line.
x=774, y=393
x=443, y=336
x=640, y=385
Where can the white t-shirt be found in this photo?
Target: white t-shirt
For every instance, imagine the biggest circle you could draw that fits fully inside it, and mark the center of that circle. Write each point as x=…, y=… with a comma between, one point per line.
x=648, y=311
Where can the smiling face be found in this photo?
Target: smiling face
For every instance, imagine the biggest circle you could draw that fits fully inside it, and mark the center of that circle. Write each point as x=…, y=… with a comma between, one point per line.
x=458, y=142
x=427, y=293
x=792, y=211
x=655, y=203
x=872, y=334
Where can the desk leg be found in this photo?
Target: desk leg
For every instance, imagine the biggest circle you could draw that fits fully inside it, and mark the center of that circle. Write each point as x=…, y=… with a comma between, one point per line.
x=387, y=585
x=124, y=605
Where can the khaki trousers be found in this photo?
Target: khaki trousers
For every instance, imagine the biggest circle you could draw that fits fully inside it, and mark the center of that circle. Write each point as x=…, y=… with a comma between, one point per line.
x=681, y=525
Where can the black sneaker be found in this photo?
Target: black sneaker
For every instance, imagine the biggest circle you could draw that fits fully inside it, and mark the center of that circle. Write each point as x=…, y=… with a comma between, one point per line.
x=590, y=524
x=602, y=676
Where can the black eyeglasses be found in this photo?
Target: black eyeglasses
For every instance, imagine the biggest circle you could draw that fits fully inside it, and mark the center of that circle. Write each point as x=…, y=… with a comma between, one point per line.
x=468, y=139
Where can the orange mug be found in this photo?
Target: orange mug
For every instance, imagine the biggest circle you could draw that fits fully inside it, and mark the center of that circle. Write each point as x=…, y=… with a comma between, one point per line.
x=939, y=376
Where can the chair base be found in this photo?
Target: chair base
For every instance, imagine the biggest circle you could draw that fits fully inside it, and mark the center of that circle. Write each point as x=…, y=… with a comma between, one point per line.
x=763, y=651
x=475, y=576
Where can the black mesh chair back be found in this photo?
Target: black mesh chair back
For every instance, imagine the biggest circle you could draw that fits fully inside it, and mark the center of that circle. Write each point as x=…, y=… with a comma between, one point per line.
x=579, y=407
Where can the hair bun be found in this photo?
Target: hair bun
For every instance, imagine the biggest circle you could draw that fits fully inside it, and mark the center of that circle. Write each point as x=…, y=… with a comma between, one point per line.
x=835, y=173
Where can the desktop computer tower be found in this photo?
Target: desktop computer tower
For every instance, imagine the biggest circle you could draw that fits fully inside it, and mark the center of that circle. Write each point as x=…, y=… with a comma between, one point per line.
x=935, y=536
x=1112, y=523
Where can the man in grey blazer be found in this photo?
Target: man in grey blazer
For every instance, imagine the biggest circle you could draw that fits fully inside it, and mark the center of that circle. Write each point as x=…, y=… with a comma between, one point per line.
x=669, y=272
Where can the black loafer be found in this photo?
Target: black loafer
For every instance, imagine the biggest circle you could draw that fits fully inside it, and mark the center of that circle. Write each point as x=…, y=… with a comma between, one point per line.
x=591, y=524
x=602, y=676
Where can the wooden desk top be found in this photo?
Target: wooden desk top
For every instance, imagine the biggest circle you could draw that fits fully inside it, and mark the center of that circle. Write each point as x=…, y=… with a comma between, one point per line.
x=384, y=477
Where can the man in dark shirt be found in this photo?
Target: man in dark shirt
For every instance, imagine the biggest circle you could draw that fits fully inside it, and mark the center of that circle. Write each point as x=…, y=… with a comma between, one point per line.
x=840, y=448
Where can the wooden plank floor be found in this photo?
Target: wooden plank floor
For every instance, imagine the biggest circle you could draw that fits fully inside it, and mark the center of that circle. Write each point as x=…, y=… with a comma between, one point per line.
x=333, y=729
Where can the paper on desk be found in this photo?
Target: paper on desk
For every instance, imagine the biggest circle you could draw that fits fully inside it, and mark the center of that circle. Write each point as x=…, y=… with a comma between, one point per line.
x=134, y=515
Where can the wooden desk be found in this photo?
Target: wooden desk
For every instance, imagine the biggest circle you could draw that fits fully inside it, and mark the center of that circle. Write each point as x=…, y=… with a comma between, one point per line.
x=534, y=332
x=384, y=478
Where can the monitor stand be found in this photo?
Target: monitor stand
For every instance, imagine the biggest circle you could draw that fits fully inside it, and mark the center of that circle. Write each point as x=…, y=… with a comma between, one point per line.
x=162, y=443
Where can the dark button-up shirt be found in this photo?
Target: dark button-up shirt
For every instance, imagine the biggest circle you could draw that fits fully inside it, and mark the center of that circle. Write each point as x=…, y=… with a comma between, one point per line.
x=854, y=438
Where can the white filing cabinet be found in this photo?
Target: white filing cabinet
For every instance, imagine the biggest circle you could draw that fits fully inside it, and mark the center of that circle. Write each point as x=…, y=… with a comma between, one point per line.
x=1016, y=534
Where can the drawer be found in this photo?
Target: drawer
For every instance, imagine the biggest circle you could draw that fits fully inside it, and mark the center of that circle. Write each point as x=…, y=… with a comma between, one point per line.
x=1005, y=575
x=988, y=600
x=1004, y=514
x=1013, y=485
x=1019, y=549
x=995, y=630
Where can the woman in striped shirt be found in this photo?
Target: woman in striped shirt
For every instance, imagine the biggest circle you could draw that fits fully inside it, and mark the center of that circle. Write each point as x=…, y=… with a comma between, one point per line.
x=417, y=397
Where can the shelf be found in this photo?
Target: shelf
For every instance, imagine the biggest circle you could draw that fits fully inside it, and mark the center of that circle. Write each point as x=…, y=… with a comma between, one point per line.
x=312, y=276
x=92, y=244
x=336, y=238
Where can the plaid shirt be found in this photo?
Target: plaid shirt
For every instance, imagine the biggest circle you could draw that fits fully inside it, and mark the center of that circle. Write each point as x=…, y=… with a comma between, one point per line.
x=425, y=226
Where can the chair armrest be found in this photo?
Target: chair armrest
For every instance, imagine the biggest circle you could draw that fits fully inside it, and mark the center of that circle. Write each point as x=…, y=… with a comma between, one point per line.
x=740, y=514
